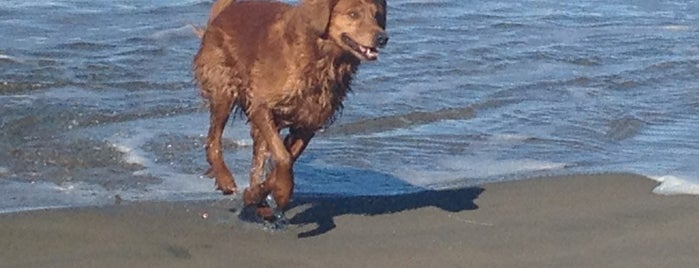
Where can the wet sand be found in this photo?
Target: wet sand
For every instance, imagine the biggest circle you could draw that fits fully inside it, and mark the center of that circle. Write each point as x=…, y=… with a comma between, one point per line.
x=610, y=220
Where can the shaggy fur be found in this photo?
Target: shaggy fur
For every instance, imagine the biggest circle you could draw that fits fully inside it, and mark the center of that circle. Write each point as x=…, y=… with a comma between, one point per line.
x=285, y=67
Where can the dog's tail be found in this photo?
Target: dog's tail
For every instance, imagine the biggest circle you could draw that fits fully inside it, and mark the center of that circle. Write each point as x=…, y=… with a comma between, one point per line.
x=216, y=9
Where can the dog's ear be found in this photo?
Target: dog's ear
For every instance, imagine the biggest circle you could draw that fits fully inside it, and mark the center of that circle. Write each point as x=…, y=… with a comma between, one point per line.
x=381, y=16
x=316, y=14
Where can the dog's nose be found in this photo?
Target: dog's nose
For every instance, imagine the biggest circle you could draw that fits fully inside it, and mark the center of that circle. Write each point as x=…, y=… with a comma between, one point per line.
x=381, y=39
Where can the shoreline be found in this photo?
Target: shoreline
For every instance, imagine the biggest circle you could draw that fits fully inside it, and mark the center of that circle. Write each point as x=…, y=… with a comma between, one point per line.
x=604, y=220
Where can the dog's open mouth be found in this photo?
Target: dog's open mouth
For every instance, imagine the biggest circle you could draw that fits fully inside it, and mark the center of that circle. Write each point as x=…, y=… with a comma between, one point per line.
x=369, y=53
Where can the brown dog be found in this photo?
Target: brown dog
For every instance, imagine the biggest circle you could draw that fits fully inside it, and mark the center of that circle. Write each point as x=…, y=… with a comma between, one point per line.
x=285, y=67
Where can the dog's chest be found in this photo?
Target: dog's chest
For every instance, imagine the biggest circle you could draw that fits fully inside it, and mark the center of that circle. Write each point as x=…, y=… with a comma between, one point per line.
x=310, y=108
x=310, y=98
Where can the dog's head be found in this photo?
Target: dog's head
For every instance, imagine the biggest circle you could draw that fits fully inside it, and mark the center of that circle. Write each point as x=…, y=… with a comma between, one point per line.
x=359, y=27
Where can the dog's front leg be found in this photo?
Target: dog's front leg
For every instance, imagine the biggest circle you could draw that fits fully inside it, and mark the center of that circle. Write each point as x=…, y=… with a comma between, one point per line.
x=259, y=155
x=281, y=180
x=254, y=193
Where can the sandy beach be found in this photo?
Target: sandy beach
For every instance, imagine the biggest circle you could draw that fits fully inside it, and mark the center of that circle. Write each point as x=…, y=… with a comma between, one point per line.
x=610, y=220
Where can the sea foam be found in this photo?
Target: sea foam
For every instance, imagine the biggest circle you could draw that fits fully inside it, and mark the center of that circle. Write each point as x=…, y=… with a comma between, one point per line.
x=674, y=185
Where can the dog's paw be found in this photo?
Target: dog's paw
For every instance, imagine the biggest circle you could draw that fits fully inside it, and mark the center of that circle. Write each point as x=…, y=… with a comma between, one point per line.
x=277, y=222
x=210, y=173
x=252, y=195
x=224, y=180
x=267, y=216
x=226, y=187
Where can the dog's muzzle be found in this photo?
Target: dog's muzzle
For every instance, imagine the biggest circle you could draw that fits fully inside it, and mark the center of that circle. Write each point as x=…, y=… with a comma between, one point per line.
x=381, y=39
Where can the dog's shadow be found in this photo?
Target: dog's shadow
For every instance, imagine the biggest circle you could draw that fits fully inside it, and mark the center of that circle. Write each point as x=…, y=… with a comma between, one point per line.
x=321, y=210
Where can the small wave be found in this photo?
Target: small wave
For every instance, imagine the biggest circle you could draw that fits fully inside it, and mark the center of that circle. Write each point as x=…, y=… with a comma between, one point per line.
x=624, y=128
x=456, y=171
x=153, y=7
x=35, y=195
x=148, y=85
x=673, y=185
x=569, y=59
x=387, y=123
x=8, y=87
x=511, y=137
x=144, y=51
x=85, y=46
x=424, y=4
x=34, y=4
x=4, y=171
x=677, y=27
x=185, y=31
x=584, y=61
x=508, y=25
x=8, y=59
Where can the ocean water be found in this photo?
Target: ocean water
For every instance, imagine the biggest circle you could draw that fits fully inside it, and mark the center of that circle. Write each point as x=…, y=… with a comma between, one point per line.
x=97, y=101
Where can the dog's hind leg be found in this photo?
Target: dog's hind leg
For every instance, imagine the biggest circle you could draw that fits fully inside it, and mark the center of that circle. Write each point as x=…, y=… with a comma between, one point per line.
x=296, y=142
x=220, y=107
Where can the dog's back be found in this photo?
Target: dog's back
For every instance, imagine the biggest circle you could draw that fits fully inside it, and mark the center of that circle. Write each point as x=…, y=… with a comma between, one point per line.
x=247, y=24
x=231, y=44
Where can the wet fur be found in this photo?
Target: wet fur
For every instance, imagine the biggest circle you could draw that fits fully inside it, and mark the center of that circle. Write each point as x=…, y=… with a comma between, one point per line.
x=285, y=67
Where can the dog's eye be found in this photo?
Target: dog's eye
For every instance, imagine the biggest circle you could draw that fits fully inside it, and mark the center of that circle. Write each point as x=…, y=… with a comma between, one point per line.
x=353, y=14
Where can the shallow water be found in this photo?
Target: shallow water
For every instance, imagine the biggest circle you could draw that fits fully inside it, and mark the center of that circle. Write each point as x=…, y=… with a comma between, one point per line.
x=97, y=100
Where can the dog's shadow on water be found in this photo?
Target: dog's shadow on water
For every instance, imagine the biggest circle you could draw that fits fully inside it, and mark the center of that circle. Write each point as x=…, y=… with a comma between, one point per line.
x=321, y=210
